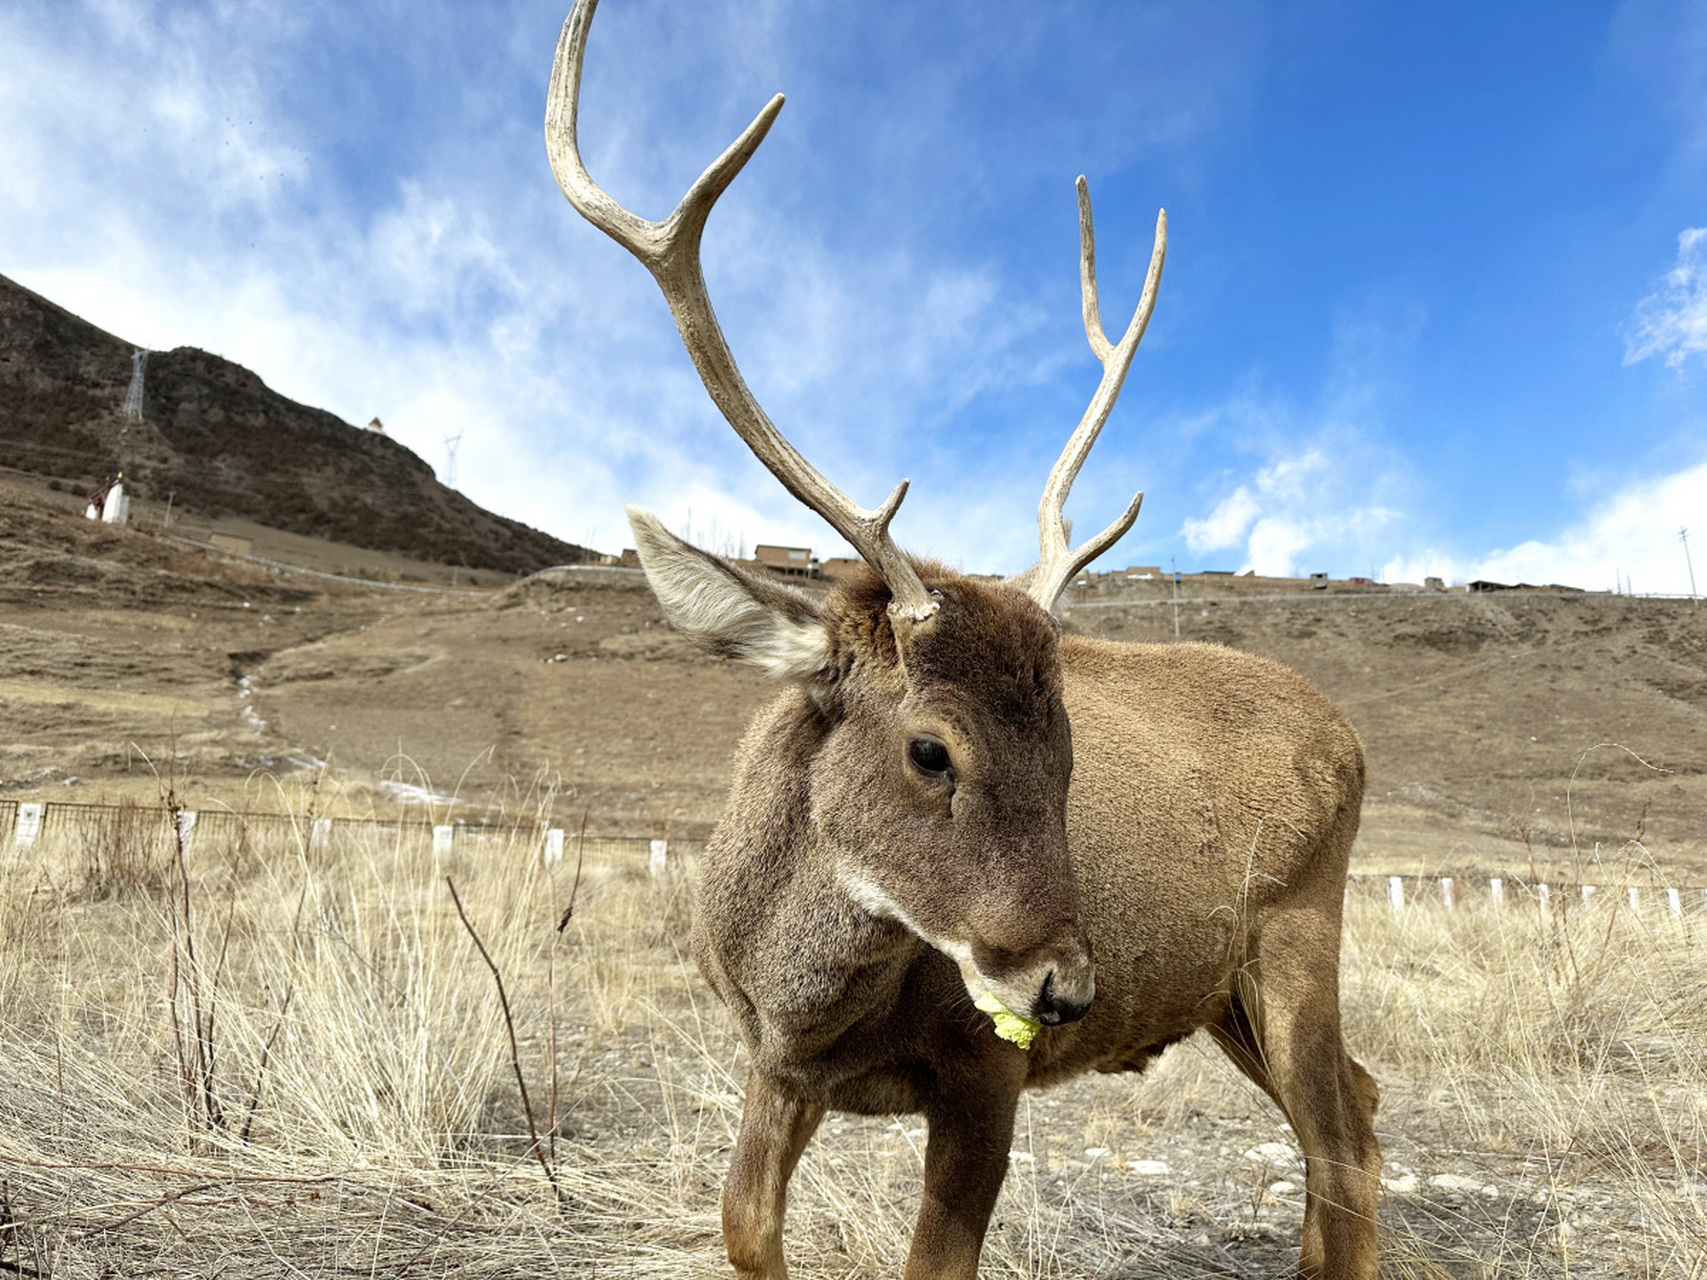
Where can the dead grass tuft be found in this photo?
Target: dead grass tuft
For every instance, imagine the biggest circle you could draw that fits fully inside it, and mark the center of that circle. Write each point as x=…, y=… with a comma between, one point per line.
x=367, y=1115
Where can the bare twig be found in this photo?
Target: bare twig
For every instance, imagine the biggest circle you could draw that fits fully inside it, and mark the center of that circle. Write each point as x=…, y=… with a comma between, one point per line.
x=510, y=1027
x=278, y=1023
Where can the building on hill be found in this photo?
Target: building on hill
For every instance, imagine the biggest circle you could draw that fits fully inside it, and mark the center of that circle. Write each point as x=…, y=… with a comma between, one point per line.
x=790, y=562
x=838, y=567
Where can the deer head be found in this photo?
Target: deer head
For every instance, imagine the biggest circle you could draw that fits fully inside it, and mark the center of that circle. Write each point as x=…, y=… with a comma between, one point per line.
x=938, y=778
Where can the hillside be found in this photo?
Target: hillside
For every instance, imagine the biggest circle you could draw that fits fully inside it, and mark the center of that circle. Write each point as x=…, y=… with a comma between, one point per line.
x=1485, y=718
x=218, y=438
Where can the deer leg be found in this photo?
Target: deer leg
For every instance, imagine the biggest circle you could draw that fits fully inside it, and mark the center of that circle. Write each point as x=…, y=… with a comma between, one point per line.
x=774, y=1131
x=1283, y=1031
x=966, y=1158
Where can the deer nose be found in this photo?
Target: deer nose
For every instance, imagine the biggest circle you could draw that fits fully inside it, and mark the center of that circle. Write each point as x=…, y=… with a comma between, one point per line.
x=1056, y=1004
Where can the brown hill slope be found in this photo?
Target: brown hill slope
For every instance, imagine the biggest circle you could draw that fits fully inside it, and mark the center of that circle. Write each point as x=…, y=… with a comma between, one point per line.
x=225, y=444
x=1482, y=717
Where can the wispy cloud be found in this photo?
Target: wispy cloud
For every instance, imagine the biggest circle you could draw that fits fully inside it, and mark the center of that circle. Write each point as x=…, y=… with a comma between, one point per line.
x=355, y=203
x=1672, y=322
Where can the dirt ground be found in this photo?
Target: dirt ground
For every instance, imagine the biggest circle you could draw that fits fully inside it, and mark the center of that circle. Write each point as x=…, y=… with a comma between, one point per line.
x=1503, y=732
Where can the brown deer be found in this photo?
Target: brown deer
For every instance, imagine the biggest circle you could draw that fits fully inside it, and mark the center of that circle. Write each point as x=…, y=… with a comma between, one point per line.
x=953, y=801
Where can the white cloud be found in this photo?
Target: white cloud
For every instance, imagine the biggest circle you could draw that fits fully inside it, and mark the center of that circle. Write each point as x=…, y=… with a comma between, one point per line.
x=1225, y=526
x=1633, y=535
x=1673, y=321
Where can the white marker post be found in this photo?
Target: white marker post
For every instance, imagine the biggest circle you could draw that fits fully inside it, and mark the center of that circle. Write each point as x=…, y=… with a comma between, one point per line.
x=659, y=861
x=1634, y=896
x=1396, y=892
x=554, y=846
x=186, y=828
x=1545, y=892
x=1496, y=890
x=1588, y=892
x=443, y=837
x=1448, y=893
x=1674, y=900
x=29, y=824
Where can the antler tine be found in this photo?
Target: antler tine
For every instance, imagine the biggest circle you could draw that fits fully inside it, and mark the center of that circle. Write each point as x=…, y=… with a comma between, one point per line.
x=670, y=251
x=1057, y=562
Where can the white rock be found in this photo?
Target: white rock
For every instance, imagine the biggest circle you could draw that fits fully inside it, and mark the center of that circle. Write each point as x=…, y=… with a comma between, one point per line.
x=1454, y=1182
x=1095, y=1153
x=1273, y=1152
x=1022, y=1157
x=1150, y=1168
x=1491, y=1191
x=1404, y=1185
x=1282, y=1188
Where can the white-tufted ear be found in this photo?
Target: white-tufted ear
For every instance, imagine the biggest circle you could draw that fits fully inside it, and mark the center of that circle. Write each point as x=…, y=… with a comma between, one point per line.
x=729, y=611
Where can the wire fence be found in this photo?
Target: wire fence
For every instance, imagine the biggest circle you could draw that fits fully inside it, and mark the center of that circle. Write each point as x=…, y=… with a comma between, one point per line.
x=23, y=823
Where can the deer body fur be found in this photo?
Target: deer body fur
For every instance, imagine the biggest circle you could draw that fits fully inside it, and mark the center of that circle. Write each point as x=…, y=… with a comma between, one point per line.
x=1213, y=803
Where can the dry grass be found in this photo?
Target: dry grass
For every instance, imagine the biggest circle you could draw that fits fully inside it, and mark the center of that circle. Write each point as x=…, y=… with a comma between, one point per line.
x=358, y=1113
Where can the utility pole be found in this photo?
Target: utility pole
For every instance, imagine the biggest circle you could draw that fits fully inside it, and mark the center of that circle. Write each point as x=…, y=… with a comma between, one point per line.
x=451, y=442
x=1174, y=565
x=1683, y=537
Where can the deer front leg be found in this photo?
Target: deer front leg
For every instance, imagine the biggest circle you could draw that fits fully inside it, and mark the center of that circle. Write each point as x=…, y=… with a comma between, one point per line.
x=971, y=1131
x=774, y=1131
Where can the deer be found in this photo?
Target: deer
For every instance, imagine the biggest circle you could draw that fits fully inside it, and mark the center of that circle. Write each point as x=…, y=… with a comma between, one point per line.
x=955, y=806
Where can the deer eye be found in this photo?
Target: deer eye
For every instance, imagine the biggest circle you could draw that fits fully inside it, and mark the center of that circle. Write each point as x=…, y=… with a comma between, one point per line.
x=928, y=755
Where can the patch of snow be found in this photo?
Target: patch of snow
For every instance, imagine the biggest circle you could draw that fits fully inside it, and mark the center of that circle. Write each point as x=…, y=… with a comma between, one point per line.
x=409, y=793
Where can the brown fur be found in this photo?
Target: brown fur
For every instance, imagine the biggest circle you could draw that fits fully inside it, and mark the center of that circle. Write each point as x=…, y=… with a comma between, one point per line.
x=1200, y=851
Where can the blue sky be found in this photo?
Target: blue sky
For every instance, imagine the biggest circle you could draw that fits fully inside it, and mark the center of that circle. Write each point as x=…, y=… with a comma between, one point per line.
x=1435, y=302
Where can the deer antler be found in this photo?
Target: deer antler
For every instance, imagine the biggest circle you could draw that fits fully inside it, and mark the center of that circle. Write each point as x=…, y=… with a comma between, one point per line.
x=1057, y=562
x=670, y=251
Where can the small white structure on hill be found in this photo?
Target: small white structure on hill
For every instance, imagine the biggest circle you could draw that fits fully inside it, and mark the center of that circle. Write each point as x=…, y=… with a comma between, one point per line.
x=111, y=504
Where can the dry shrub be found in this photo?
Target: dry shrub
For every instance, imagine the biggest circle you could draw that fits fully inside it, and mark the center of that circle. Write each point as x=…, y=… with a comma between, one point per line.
x=126, y=852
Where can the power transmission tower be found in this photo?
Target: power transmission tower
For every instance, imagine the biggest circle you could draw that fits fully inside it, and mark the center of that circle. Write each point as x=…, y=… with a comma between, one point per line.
x=1683, y=537
x=451, y=442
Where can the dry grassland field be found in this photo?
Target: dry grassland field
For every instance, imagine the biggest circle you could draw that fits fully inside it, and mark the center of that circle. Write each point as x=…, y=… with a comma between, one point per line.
x=266, y=1052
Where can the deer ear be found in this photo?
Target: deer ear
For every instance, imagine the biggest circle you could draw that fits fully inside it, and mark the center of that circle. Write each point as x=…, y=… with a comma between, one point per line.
x=729, y=611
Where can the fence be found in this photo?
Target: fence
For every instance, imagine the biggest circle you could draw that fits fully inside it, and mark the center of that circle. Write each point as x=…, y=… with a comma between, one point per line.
x=1452, y=892
x=23, y=823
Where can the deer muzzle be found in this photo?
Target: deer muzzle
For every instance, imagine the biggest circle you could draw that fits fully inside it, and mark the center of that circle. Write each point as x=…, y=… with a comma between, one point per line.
x=1052, y=984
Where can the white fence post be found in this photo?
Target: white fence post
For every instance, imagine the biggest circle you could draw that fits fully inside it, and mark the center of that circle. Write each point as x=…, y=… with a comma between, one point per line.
x=1674, y=900
x=186, y=828
x=29, y=824
x=660, y=857
x=1496, y=889
x=443, y=837
x=553, y=846
x=320, y=833
x=1448, y=893
x=1396, y=892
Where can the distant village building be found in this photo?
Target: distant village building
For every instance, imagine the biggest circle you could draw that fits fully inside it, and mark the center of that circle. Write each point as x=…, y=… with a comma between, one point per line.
x=630, y=558
x=376, y=425
x=1319, y=581
x=1142, y=572
x=838, y=567
x=1434, y=584
x=791, y=562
